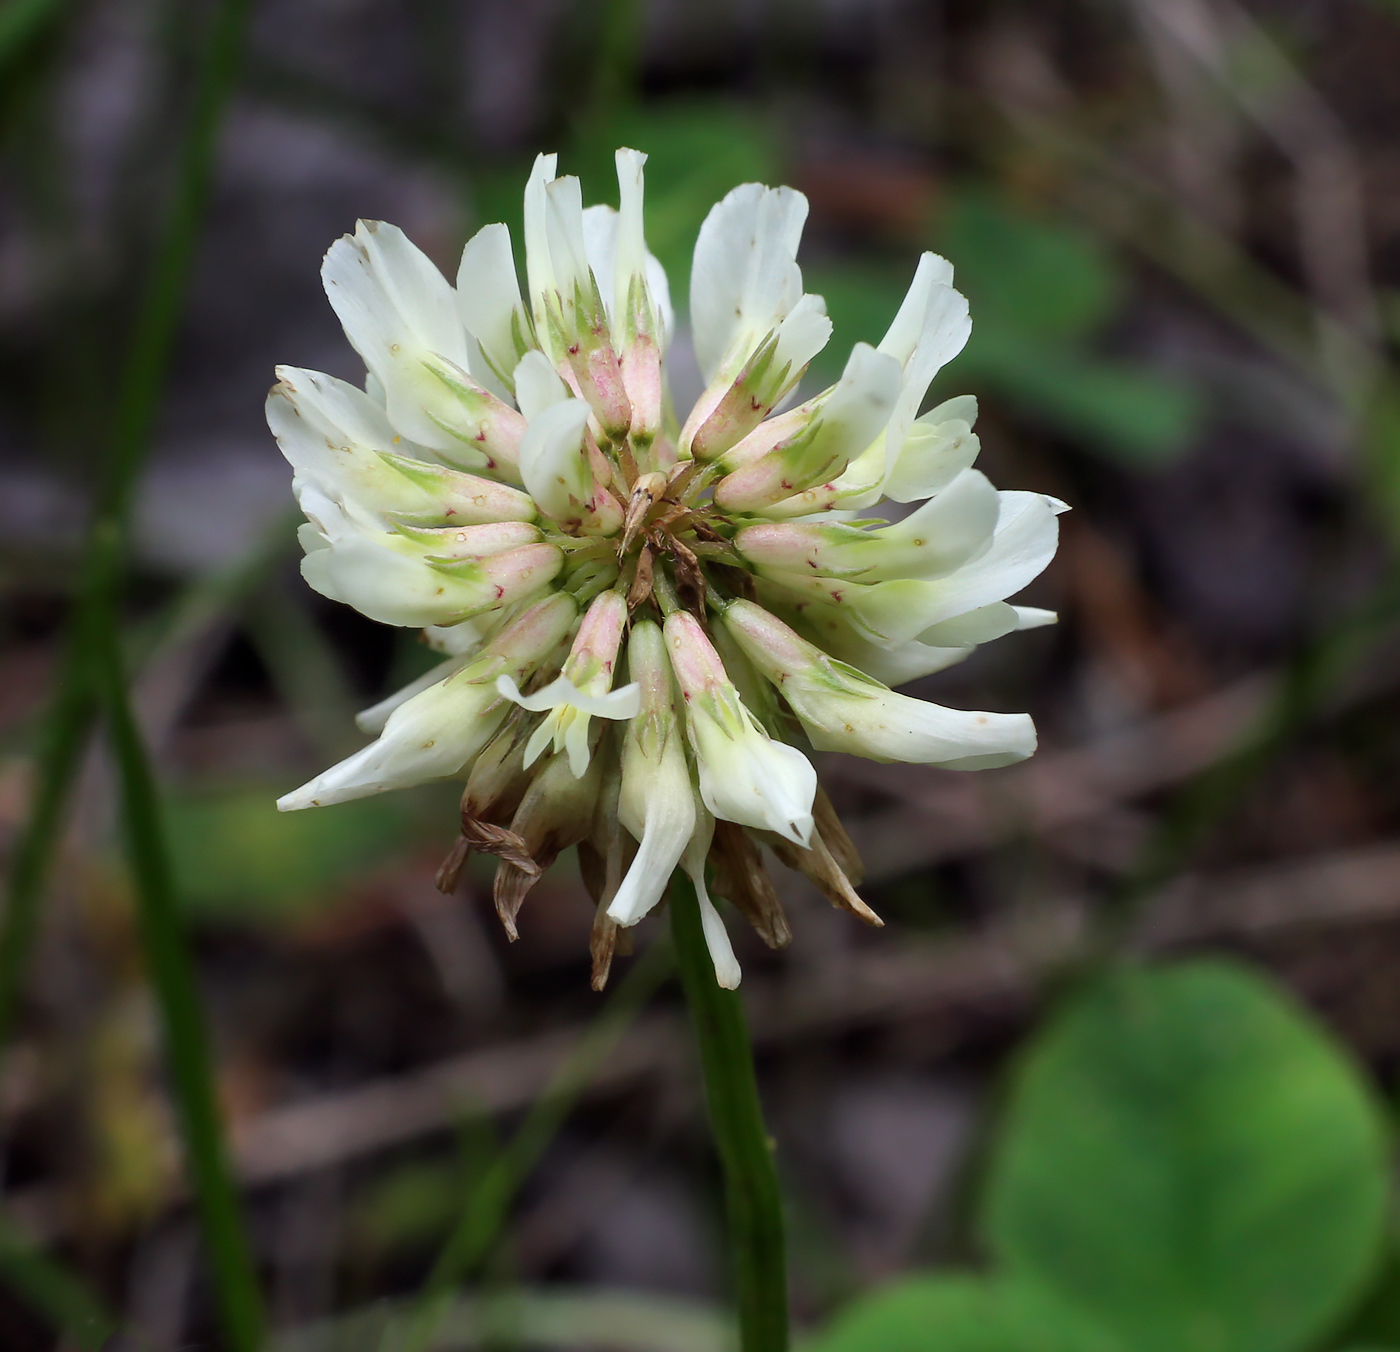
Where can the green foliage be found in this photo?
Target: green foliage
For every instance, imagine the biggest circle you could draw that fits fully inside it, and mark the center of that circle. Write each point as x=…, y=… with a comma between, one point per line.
x=1189, y=1158
x=961, y=1314
x=1381, y=445
x=411, y=1205
x=235, y=855
x=1041, y=293
x=52, y=1291
x=697, y=149
x=1188, y=1164
x=1038, y=277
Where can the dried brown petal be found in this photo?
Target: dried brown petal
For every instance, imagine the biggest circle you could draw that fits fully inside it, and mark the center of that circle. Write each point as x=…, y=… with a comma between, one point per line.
x=640, y=589
x=842, y=847
x=511, y=887
x=741, y=877
x=690, y=577
x=820, y=866
x=602, y=944
x=556, y=812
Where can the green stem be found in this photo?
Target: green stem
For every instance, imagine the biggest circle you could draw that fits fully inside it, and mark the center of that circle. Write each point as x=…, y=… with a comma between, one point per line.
x=752, y=1197
x=172, y=976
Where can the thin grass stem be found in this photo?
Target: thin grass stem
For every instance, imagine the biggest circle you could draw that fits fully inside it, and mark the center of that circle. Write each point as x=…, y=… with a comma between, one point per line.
x=481, y=1220
x=171, y=974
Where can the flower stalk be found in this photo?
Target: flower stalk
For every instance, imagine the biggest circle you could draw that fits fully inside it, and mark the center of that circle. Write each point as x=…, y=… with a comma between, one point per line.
x=753, y=1201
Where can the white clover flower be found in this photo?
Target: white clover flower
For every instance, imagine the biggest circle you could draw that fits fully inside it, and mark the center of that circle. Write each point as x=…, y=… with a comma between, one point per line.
x=637, y=611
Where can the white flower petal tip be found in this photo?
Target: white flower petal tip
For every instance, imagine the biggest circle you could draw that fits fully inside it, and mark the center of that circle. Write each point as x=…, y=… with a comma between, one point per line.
x=842, y=709
x=726, y=965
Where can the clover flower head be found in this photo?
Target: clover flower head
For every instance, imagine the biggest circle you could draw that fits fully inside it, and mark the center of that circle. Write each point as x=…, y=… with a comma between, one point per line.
x=649, y=618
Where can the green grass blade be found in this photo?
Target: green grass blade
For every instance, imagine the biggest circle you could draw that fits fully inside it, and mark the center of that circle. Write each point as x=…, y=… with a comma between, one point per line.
x=22, y=21
x=71, y=718
x=66, y=731
x=489, y=1204
x=51, y=1291
x=187, y=1047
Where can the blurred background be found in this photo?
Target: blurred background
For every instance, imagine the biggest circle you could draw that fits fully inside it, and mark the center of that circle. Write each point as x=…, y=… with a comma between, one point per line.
x=1178, y=223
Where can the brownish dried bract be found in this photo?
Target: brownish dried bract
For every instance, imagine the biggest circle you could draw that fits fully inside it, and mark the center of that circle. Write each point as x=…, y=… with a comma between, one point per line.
x=494, y=791
x=602, y=944
x=644, y=495
x=842, y=847
x=741, y=877
x=511, y=887
x=449, y=872
x=556, y=812
x=485, y=838
x=819, y=865
x=640, y=589
x=690, y=577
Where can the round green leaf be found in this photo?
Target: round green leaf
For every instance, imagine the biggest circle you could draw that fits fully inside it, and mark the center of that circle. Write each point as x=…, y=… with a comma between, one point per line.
x=1189, y=1157
x=960, y=1314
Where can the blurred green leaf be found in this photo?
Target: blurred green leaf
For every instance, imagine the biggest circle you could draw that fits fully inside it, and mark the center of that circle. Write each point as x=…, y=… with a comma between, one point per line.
x=697, y=150
x=1041, y=291
x=21, y=21
x=960, y=1314
x=861, y=297
x=1381, y=444
x=236, y=855
x=1036, y=276
x=1128, y=411
x=410, y=1205
x=1191, y=1159
x=52, y=1291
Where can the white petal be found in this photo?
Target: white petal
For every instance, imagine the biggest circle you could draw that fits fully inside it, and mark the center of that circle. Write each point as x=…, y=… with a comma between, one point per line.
x=960, y=408
x=488, y=295
x=600, y=235
x=955, y=526
x=374, y=718
x=1033, y=617
x=907, y=328
x=930, y=458
x=563, y=220
x=727, y=971
x=745, y=277
x=802, y=334
x=891, y=727
x=397, y=308
x=660, y=287
x=663, y=821
x=537, y=385
x=620, y=704
x=552, y=462
x=432, y=736
x=947, y=325
x=1024, y=543
x=974, y=626
x=755, y=781
x=539, y=270
x=330, y=431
